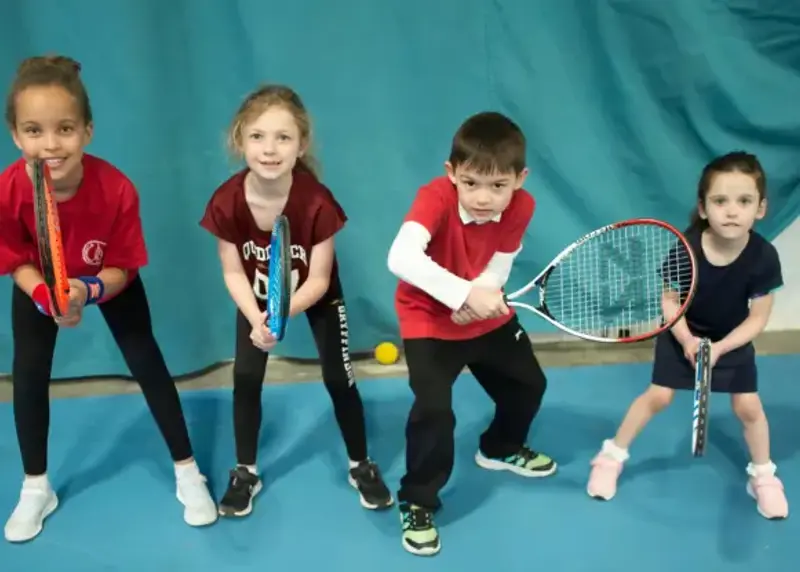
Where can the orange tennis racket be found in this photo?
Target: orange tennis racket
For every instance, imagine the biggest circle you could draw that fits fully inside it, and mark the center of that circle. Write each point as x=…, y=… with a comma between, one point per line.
x=48, y=236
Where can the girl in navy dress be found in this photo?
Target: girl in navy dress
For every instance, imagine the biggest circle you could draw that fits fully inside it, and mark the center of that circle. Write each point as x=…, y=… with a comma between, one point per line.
x=739, y=272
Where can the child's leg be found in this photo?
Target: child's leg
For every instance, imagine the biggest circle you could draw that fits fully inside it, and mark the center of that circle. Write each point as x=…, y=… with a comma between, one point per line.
x=34, y=336
x=328, y=321
x=433, y=366
x=128, y=318
x=249, y=366
x=507, y=369
x=607, y=465
x=763, y=485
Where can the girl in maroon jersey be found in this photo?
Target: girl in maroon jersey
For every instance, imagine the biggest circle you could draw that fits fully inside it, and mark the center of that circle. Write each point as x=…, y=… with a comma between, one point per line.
x=271, y=132
x=49, y=115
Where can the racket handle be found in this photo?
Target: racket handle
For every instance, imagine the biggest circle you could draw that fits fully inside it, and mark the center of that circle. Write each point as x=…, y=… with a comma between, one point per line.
x=41, y=297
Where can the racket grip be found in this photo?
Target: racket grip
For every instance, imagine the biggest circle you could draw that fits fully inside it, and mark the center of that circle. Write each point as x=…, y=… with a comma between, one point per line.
x=41, y=297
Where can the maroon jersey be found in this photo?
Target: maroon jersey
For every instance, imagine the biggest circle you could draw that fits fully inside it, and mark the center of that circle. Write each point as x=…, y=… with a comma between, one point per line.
x=314, y=216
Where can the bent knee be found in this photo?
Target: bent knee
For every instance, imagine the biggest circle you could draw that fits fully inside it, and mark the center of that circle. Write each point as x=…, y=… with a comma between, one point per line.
x=658, y=397
x=748, y=407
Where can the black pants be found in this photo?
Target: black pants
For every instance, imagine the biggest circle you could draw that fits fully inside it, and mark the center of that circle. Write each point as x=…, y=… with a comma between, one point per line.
x=504, y=364
x=128, y=318
x=328, y=321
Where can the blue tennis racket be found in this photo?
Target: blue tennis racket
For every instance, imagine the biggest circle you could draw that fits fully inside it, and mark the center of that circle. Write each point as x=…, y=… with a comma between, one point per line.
x=702, y=390
x=280, y=278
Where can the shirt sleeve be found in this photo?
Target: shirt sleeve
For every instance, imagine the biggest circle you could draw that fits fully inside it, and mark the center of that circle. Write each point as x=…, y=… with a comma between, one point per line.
x=327, y=220
x=496, y=273
x=17, y=247
x=767, y=275
x=428, y=208
x=126, y=247
x=520, y=213
x=409, y=262
x=218, y=218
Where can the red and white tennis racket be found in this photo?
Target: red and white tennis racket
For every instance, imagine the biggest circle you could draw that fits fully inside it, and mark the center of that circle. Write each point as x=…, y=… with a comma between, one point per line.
x=608, y=285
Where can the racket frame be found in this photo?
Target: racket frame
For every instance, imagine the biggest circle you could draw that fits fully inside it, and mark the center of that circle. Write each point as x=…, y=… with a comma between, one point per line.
x=280, y=277
x=702, y=393
x=48, y=237
x=541, y=282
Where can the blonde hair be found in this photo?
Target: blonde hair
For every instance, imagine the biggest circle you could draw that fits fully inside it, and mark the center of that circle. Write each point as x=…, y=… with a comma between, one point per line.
x=40, y=71
x=257, y=103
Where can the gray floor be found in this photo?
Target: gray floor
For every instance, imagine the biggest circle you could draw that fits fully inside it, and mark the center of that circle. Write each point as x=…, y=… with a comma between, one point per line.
x=551, y=353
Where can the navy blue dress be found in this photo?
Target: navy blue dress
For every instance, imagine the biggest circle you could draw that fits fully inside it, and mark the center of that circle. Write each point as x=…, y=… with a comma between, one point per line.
x=720, y=305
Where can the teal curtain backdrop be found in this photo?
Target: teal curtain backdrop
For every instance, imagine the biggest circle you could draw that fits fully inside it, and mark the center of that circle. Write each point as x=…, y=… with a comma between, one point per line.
x=623, y=101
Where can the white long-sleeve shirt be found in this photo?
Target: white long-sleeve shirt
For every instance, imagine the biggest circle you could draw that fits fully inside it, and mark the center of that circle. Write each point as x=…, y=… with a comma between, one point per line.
x=409, y=262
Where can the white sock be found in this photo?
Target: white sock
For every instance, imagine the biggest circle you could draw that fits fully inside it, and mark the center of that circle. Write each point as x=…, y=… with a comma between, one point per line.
x=768, y=469
x=252, y=469
x=186, y=470
x=37, y=482
x=614, y=451
x=353, y=464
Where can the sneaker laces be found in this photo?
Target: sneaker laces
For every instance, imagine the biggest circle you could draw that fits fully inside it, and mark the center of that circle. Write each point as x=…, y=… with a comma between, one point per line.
x=368, y=472
x=418, y=519
x=193, y=489
x=242, y=480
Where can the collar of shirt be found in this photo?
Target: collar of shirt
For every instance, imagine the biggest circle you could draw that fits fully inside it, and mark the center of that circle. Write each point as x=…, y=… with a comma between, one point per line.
x=466, y=218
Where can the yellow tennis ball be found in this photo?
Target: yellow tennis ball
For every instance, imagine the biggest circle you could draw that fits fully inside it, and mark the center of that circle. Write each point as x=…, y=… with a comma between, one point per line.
x=386, y=353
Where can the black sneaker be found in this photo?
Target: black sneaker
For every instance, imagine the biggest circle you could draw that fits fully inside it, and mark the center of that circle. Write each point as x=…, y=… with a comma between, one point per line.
x=366, y=479
x=420, y=536
x=243, y=486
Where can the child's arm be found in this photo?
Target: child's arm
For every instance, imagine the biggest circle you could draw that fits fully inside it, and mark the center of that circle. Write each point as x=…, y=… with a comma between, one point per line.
x=237, y=283
x=670, y=306
x=766, y=277
x=320, y=265
x=27, y=277
x=408, y=261
x=497, y=271
x=747, y=331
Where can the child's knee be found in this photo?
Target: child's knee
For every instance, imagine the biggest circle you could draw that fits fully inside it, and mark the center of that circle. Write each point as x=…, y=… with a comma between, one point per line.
x=747, y=407
x=658, y=397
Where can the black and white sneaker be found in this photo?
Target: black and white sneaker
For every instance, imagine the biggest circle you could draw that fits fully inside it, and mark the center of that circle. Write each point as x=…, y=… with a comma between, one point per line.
x=243, y=486
x=366, y=479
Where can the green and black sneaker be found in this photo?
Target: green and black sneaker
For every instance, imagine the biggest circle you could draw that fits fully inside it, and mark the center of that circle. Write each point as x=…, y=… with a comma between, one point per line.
x=525, y=462
x=420, y=536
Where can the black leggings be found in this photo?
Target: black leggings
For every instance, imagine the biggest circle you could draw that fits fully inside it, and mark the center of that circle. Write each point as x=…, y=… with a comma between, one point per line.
x=503, y=362
x=328, y=321
x=128, y=318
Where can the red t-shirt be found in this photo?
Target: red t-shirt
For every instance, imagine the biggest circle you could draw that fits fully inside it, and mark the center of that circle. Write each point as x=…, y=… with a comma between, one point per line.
x=463, y=250
x=314, y=216
x=100, y=225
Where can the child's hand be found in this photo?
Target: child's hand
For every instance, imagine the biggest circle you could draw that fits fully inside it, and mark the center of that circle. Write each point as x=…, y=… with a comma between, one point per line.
x=713, y=355
x=463, y=316
x=486, y=303
x=78, y=294
x=261, y=337
x=690, y=348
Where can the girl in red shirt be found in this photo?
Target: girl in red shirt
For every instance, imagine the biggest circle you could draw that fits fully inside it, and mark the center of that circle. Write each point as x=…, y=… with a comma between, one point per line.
x=271, y=132
x=49, y=115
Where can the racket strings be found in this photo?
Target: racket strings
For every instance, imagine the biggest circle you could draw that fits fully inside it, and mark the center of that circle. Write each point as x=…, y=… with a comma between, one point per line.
x=612, y=286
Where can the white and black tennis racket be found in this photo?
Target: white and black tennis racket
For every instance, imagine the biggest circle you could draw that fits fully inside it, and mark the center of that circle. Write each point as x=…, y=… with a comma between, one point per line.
x=608, y=285
x=702, y=392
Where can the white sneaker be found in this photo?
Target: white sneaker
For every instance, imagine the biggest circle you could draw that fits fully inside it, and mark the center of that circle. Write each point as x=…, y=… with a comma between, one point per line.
x=37, y=501
x=192, y=492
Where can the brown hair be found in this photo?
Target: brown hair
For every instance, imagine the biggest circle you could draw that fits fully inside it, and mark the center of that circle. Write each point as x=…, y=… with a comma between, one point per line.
x=43, y=71
x=257, y=103
x=489, y=142
x=734, y=162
